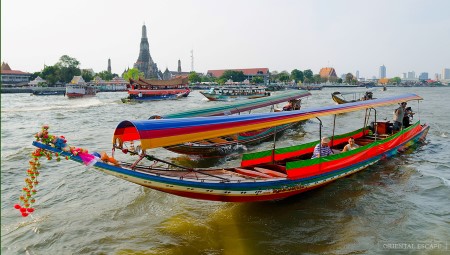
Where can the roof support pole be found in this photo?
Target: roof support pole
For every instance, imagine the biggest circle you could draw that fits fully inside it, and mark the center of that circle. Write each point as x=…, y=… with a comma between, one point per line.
x=334, y=128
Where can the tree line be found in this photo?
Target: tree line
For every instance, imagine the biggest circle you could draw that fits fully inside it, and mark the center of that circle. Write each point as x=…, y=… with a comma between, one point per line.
x=65, y=69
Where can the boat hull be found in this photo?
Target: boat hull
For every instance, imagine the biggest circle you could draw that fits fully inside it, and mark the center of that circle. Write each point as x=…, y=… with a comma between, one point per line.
x=156, y=95
x=210, y=184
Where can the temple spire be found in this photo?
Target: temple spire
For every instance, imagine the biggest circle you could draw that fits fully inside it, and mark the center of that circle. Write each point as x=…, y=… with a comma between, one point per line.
x=144, y=31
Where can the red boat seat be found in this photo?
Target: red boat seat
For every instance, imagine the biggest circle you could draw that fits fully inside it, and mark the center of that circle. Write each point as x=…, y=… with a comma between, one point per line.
x=270, y=172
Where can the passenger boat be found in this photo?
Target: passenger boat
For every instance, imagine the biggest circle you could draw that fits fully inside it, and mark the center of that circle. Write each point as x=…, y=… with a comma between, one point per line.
x=147, y=90
x=80, y=90
x=267, y=175
x=231, y=92
x=311, y=87
x=340, y=98
x=224, y=145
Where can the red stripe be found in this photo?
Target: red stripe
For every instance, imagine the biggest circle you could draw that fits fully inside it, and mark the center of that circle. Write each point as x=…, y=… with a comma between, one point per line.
x=328, y=166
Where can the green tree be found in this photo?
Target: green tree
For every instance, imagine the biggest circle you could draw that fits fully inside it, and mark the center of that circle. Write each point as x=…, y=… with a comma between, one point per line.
x=87, y=75
x=317, y=79
x=194, y=77
x=297, y=75
x=233, y=75
x=257, y=80
x=207, y=78
x=105, y=75
x=274, y=76
x=68, y=68
x=35, y=75
x=349, y=78
x=339, y=80
x=308, y=74
x=395, y=80
x=50, y=74
x=132, y=73
x=66, y=61
x=284, y=76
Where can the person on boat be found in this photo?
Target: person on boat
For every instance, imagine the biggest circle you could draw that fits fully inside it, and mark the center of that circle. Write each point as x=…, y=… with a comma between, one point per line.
x=399, y=113
x=351, y=145
x=407, y=117
x=322, y=149
x=288, y=107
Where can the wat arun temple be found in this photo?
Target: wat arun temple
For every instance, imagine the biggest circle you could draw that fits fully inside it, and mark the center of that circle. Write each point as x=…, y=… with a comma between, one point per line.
x=145, y=62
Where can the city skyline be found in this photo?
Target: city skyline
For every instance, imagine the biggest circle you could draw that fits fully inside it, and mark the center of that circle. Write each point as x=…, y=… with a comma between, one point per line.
x=280, y=35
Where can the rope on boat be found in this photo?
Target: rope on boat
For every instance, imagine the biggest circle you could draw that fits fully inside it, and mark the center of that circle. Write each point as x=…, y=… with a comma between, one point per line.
x=149, y=157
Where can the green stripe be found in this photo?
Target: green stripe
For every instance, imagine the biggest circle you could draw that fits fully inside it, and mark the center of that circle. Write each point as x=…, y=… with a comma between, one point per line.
x=310, y=162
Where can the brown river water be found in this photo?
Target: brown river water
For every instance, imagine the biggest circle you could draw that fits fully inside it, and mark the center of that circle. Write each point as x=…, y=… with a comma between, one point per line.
x=400, y=205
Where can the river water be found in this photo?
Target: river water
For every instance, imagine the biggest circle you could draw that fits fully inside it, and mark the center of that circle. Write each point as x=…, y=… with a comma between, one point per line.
x=400, y=204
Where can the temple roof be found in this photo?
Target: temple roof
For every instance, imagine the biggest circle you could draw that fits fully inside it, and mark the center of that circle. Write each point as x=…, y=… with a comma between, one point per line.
x=327, y=72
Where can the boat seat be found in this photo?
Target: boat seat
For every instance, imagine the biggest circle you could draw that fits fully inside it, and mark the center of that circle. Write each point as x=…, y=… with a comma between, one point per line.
x=270, y=172
x=251, y=173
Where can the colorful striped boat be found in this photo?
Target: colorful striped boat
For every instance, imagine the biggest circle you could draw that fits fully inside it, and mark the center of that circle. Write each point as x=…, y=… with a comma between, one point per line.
x=148, y=90
x=266, y=175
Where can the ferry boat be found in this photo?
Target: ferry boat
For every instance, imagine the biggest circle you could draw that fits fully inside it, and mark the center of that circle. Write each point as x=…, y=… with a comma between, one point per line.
x=147, y=90
x=230, y=93
x=79, y=88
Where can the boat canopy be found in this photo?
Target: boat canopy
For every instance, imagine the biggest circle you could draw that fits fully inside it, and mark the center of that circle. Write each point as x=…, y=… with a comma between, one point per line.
x=240, y=106
x=166, y=132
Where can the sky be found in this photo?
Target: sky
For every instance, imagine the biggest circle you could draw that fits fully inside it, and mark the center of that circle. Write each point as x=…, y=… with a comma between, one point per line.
x=282, y=35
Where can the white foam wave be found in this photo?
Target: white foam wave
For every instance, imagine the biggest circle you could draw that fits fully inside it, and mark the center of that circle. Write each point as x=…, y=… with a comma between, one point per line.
x=70, y=104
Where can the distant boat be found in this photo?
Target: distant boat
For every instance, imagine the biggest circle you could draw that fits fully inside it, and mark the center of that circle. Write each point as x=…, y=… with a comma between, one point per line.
x=340, y=98
x=148, y=90
x=235, y=92
x=311, y=87
x=47, y=91
x=79, y=88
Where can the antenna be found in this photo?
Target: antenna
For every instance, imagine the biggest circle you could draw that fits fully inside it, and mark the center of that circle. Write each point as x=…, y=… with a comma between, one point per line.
x=192, y=60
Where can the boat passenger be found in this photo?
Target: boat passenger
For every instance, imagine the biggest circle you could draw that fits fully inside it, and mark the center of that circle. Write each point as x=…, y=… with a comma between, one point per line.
x=288, y=107
x=398, y=116
x=322, y=149
x=351, y=145
x=407, y=117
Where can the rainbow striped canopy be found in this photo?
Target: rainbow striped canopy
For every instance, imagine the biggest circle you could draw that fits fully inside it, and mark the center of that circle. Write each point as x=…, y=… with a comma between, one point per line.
x=164, y=132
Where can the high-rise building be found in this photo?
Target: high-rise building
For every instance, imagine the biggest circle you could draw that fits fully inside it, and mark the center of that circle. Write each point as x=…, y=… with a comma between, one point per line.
x=445, y=74
x=109, y=65
x=423, y=76
x=411, y=75
x=382, y=72
x=357, y=74
x=145, y=62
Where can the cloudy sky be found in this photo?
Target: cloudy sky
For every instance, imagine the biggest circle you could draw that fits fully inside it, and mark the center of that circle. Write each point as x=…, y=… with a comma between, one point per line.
x=349, y=35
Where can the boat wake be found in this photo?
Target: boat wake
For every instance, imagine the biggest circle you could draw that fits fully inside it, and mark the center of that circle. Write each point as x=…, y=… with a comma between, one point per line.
x=62, y=105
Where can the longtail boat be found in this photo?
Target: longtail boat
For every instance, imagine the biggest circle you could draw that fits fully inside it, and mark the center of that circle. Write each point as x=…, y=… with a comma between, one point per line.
x=235, y=92
x=344, y=98
x=267, y=175
x=223, y=145
x=145, y=90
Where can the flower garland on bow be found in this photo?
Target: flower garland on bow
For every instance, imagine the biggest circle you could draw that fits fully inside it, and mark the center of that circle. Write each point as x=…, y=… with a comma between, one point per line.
x=26, y=200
